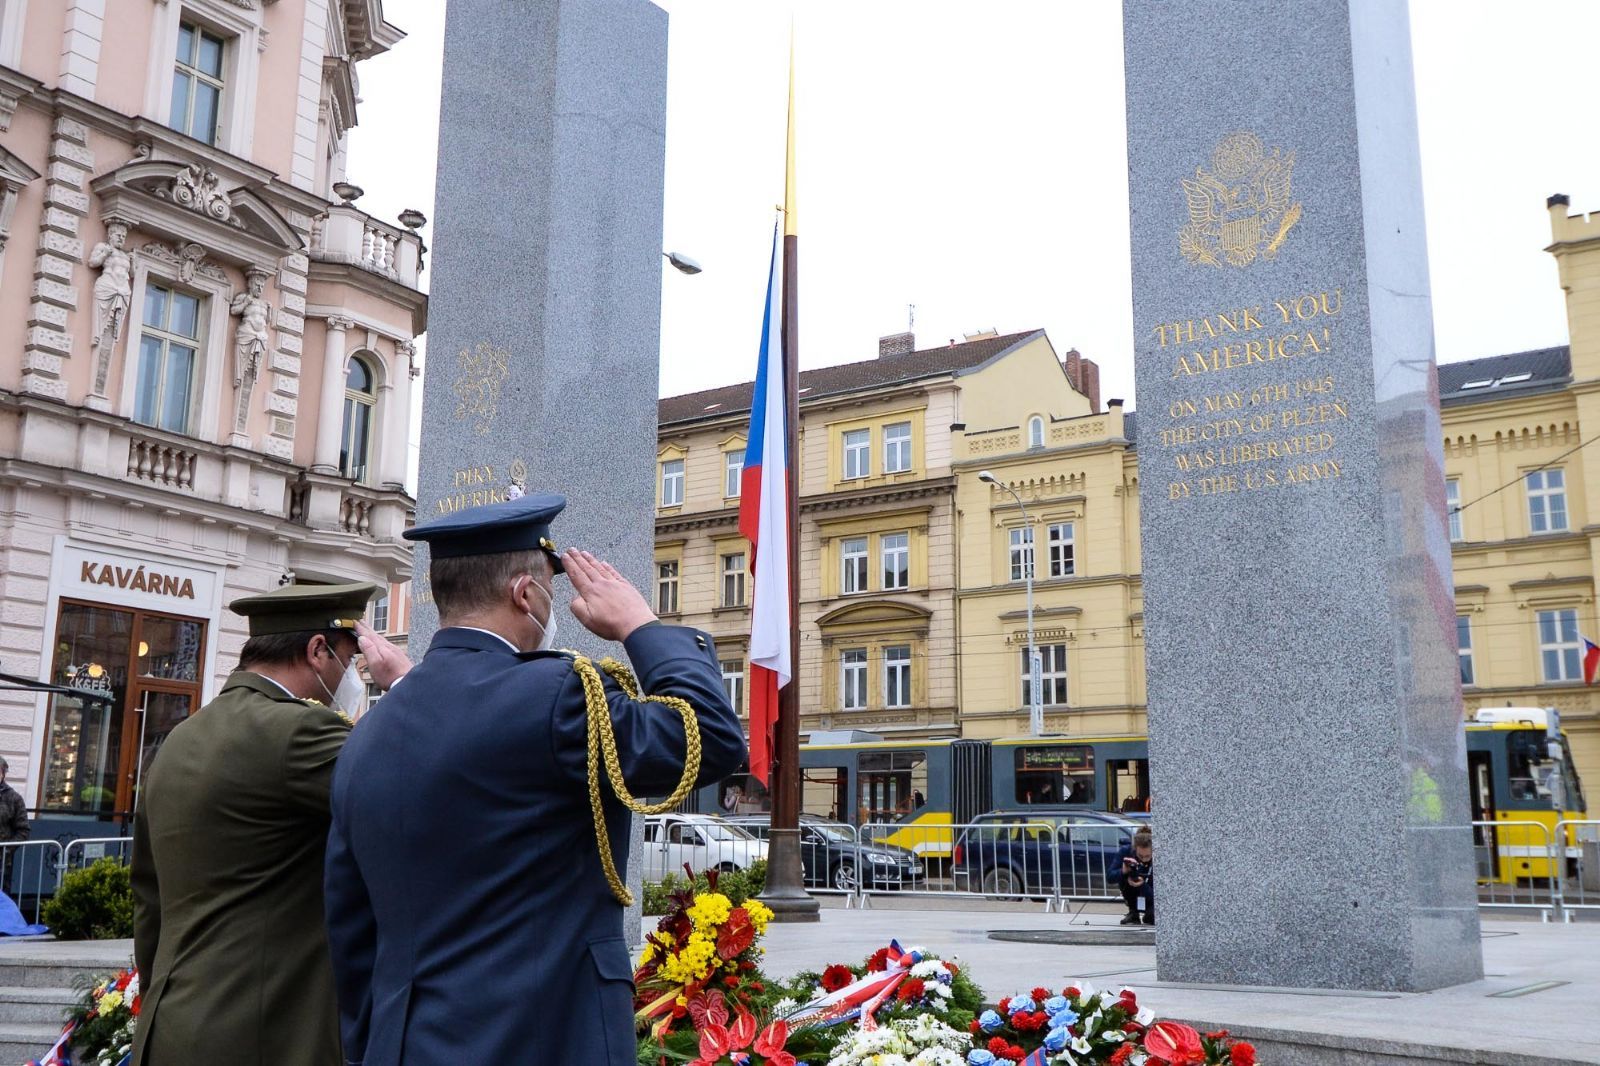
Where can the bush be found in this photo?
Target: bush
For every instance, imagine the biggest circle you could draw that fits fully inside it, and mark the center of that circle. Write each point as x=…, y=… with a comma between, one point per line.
x=738, y=886
x=94, y=903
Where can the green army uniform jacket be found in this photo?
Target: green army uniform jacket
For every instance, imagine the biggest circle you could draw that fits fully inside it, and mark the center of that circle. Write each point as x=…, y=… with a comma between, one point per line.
x=228, y=854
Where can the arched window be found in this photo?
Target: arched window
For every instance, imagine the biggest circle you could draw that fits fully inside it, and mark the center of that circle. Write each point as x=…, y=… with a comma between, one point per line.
x=355, y=442
x=1036, y=432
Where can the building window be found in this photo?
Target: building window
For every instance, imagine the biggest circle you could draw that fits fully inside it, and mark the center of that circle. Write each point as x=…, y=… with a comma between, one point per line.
x=1464, y=647
x=167, y=353
x=733, y=464
x=667, y=587
x=897, y=676
x=1547, y=501
x=355, y=443
x=733, y=682
x=853, y=565
x=857, y=453
x=1036, y=432
x=853, y=678
x=733, y=580
x=1059, y=541
x=1052, y=676
x=672, y=483
x=1560, y=647
x=380, y=613
x=1452, y=506
x=197, y=83
x=1021, y=553
x=897, y=448
x=896, y=550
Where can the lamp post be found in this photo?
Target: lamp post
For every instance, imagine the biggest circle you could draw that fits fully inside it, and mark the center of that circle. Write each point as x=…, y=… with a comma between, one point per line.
x=683, y=263
x=1035, y=678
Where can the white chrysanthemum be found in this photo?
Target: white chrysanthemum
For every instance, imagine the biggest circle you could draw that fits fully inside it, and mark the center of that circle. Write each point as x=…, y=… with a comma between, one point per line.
x=940, y=989
x=928, y=968
x=938, y=1056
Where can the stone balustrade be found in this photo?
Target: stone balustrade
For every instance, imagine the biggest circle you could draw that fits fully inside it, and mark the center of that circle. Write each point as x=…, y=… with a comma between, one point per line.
x=348, y=235
x=161, y=462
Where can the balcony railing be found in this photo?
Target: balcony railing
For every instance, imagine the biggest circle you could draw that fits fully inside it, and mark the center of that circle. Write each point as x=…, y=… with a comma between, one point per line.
x=161, y=463
x=348, y=235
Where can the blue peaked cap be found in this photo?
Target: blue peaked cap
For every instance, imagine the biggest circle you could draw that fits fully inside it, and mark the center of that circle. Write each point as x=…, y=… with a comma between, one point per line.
x=516, y=525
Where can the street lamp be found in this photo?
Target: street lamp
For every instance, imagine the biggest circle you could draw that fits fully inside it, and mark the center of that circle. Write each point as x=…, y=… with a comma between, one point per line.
x=1036, y=697
x=683, y=262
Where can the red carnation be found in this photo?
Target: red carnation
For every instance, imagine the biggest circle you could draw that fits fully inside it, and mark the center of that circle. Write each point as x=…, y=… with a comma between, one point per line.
x=1029, y=1021
x=1127, y=1000
x=836, y=977
x=757, y=987
x=1015, y=1053
x=911, y=988
x=1071, y=992
x=1004, y=1006
x=1121, y=1055
x=1133, y=1027
x=1220, y=1034
x=879, y=961
x=973, y=1026
x=731, y=981
x=998, y=1046
x=1040, y=995
x=1242, y=1054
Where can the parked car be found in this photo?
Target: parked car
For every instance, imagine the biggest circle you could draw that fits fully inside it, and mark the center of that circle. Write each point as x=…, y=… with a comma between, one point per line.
x=702, y=841
x=830, y=857
x=1014, y=853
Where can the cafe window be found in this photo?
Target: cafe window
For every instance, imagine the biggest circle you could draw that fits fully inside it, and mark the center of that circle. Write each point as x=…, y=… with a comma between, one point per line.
x=1055, y=774
x=97, y=753
x=891, y=784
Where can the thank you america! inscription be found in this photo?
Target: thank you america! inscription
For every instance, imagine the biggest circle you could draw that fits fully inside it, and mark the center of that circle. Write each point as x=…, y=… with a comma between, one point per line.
x=1257, y=405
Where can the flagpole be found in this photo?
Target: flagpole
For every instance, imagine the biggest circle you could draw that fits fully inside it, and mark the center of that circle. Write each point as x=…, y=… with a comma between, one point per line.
x=785, y=890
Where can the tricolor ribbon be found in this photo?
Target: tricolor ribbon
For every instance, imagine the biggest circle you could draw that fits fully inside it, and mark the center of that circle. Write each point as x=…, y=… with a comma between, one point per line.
x=862, y=998
x=1037, y=1057
x=53, y=1057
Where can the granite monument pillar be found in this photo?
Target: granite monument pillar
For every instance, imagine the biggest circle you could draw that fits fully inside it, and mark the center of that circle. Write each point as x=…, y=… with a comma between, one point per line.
x=544, y=311
x=1307, y=750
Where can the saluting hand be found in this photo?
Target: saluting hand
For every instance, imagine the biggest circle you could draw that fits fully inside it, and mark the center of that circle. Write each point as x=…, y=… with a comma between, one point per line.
x=607, y=604
x=385, y=662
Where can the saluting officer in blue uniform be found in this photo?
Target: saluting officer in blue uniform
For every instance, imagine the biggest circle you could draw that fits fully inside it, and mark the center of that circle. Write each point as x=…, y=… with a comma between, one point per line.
x=467, y=907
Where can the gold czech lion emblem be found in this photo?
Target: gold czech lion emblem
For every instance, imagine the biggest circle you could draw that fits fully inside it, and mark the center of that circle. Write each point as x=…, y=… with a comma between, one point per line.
x=1240, y=209
x=479, y=375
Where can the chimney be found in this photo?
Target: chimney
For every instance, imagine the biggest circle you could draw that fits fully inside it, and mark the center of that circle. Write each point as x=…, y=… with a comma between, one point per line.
x=897, y=344
x=1091, y=384
x=1074, y=364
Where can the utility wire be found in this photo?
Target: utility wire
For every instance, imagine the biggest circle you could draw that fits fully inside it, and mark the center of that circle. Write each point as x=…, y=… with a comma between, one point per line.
x=1521, y=477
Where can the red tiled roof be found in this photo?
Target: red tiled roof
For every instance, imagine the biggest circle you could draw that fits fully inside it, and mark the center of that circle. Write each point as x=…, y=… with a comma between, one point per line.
x=848, y=377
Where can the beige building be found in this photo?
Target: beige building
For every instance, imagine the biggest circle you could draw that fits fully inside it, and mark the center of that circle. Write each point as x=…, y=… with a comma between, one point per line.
x=206, y=357
x=881, y=542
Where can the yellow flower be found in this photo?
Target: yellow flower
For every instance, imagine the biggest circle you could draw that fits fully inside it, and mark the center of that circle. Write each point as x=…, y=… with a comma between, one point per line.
x=110, y=1002
x=709, y=910
x=682, y=1001
x=648, y=953
x=760, y=914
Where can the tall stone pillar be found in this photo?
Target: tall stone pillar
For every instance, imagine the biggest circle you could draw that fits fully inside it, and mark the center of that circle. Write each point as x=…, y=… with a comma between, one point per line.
x=396, y=420
x=330, y=407
x=1306, y=740
x=544, y=310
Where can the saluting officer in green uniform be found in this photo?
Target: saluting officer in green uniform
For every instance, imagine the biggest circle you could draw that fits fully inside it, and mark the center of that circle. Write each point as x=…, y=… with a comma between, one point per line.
x=229, y=842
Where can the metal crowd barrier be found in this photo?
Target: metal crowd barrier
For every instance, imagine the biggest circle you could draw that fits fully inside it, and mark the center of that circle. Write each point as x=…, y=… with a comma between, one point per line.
x=1498, y=847
x=86, y=850
x=1575, y=856
x=1023, y=861
x=29, y=871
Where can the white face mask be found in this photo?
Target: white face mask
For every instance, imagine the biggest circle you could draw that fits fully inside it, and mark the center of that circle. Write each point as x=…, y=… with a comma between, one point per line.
x=350, y=697
x=547, y=639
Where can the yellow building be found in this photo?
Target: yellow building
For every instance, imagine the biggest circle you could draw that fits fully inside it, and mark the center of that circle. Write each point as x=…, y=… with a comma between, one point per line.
x=880, y=445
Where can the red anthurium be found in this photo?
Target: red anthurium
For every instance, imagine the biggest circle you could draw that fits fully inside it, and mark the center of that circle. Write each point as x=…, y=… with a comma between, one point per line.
x=736, y=934
x=743, y=1029
x=1175, y=1044
x=708, y=1008
x=770, y=1044
x=714, y=1043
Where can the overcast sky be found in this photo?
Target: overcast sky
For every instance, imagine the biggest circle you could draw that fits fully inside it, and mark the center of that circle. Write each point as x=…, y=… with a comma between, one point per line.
x=970, y=159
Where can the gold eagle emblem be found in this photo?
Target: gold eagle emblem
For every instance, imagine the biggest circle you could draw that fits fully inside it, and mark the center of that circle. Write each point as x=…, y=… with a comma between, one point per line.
x=1240, y=210
x=479, y=374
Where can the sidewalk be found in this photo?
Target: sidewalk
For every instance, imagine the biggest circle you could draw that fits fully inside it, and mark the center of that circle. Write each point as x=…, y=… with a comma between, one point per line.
x=1537, y=1002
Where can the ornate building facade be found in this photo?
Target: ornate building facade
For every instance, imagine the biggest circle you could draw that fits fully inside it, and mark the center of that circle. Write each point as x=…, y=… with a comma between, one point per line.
x=206, y=357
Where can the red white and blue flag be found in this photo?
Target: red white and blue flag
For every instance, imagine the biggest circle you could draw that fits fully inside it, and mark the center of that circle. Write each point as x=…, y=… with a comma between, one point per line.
x=764, y=522
x=1591, y=661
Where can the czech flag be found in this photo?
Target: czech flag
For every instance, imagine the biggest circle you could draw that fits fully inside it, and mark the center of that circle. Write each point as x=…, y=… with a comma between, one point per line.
x=764, y=521
x=1591, y=661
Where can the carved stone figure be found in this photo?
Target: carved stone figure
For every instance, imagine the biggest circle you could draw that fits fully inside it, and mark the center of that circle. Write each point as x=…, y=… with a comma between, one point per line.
x=114, y=287
x=251, y=339
x=200, y=189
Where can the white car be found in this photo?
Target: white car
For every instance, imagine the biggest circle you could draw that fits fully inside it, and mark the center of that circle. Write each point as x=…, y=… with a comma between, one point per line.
x=701, y=841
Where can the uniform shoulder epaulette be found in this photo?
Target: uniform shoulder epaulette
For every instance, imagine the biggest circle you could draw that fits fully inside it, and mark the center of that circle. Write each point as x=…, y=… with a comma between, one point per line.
x=309, y=702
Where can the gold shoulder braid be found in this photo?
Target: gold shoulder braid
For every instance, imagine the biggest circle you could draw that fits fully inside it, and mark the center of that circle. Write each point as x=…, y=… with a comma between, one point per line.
x=602, y=739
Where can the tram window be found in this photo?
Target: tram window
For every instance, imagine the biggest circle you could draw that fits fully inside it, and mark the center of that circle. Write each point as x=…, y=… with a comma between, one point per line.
x=892, y=784
x=1055, y=773
x=824, y=792
x=1534, y=775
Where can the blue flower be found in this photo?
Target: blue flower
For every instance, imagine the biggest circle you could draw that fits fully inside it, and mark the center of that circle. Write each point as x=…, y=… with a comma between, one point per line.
x=1056, y=1004
x=1063, y=1018
x=1057, y=1039
x=989, y=1021
x=1023, y=1004
x=980, y=1057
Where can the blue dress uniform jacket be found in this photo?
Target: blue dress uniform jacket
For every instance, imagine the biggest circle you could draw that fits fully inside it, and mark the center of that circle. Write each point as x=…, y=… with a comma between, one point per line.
x=467, y=908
